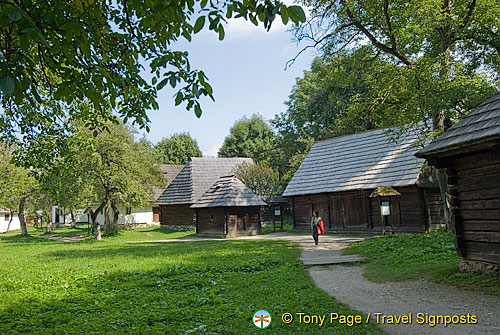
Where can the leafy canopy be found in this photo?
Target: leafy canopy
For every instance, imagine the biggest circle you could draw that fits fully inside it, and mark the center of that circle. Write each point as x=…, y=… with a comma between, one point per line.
x=177, y=149
x=445, y=52
x=54, y=55
x=252, y=138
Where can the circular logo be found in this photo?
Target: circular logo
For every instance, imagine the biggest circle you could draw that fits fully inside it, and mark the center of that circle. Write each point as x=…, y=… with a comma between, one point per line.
x=261, y=319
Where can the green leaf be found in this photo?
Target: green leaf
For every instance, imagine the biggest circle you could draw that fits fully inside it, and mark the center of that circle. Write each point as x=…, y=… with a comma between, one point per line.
x=284, y=14
x=296, y=14
x=162, y=83
x=200, y=22
x=15, y=15
x=178, y=98
x=7, y=85
x=197, y=110
x=221, y=33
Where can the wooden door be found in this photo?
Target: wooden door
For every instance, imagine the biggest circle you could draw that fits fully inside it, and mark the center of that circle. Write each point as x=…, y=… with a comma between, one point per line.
x=156, y=214
x=348, y=211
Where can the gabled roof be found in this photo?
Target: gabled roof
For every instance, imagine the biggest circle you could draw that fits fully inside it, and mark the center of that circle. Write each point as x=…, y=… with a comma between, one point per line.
x=228, y=191
x=170, y=171
x=480, y=125
x=354, y=162
x=199, y=174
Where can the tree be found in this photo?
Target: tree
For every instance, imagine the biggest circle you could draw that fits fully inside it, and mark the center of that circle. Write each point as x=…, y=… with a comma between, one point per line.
x=444, y=52
x=116, y=170
x=260, y=178
x=177, y=149
x=16, y=185
x=56, y=55
x=252, y=138
x=334, y=98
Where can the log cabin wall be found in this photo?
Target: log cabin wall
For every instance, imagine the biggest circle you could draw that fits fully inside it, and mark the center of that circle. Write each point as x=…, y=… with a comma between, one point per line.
x=243, y=221
x=211, y=221
x=474, y=186
x=229, y=221
x=415, y=210
x=177, y=217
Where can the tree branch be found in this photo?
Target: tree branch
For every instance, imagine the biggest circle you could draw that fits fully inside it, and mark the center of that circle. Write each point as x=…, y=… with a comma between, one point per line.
x=392, y=51
x=389, y=24
x=471, y=7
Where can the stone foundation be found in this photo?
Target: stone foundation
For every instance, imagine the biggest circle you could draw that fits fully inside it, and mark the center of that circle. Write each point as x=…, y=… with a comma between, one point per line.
x=138, y=225
x=478, y=267
x=178, y=227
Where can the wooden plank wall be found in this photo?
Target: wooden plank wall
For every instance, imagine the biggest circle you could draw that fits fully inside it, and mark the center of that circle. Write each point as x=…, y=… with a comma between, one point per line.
x=474, y=185
x=305, y=205
x=433, y=208
x=355, y=211
x=243, y=221
x=208, y=226
x=177, y=215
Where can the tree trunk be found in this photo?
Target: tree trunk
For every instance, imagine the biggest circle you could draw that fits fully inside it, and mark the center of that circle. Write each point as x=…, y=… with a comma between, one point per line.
x=442, y=179
x=10, y=219
x=116, y=213
x=49, y=224
x=73, y=223
x=24, y=229
x=97, y=231
x=95, y=222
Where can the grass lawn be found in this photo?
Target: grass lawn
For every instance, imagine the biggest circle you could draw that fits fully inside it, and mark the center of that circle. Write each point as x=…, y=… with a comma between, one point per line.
x=409, y=256
x=89, y=287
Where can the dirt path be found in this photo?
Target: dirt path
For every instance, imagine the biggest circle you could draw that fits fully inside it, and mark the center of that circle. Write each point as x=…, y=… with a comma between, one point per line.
x=348, y=285
x=74, y=238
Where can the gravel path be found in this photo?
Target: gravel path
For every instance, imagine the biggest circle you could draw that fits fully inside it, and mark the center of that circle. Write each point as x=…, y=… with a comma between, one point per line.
x=347, y=285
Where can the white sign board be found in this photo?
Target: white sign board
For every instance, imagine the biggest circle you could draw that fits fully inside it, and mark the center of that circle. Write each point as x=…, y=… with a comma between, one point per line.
x=277, y=212
x=385, y=208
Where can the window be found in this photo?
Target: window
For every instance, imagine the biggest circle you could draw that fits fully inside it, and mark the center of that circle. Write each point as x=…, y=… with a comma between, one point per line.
x=7, y=217
x=211, y=217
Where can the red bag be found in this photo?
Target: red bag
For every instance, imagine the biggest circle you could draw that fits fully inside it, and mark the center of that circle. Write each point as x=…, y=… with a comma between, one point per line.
x=320, y=228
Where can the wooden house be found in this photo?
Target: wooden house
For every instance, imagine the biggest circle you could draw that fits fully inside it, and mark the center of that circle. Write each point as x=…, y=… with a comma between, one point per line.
x=228, y=208
x=199, y=174
x=338, y=176
x=470, y=153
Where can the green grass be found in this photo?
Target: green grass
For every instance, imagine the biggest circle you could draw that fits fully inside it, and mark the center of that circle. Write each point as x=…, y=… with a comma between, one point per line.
x=287, y=225
x=89, y=287
x=410, y=256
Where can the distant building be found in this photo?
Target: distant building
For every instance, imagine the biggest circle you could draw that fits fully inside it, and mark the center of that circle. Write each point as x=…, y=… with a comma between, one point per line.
x=9, y=220
x=338, y=176
x=470, y=151
x=228, y=208
x=199, y=174
x=129, y=216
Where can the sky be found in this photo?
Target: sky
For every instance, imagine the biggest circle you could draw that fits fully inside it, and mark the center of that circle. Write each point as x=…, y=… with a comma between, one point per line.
x=247, y=73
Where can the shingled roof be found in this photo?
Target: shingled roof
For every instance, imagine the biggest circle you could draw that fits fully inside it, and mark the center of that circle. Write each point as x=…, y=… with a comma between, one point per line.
x=480, y=125
x=170, y=171
x=199, y=174
x=354, y=162
x=228, y=191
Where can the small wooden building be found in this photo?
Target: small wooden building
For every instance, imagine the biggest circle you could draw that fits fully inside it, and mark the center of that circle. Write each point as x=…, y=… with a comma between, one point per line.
x=470, y=152
x=228, y=208
x=338, y=175
x=195, y=178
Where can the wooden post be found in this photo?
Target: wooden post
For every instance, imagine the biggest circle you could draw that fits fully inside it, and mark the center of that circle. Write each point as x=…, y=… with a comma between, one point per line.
x=274, y=219
x=282, y=209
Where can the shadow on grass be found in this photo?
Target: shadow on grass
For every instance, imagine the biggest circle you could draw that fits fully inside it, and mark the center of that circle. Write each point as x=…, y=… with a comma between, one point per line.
x=220, y=295
x=206, y=252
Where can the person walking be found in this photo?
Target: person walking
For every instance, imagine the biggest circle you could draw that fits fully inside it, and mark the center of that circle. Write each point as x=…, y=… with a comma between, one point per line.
x=315, y=220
